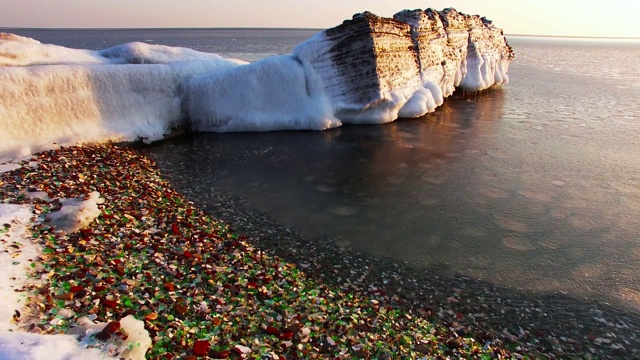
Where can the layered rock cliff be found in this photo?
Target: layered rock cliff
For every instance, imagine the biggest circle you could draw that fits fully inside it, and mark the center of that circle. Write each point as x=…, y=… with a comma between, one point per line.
x=376, y=69
x=369, y=69
x=364, y=64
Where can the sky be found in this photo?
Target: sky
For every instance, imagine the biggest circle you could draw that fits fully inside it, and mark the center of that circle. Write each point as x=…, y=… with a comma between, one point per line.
x=613, y=18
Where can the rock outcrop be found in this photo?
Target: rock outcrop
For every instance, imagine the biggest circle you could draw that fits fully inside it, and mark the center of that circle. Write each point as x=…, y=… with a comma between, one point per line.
x=366, y=64
x=369, y=69
x=375, y=69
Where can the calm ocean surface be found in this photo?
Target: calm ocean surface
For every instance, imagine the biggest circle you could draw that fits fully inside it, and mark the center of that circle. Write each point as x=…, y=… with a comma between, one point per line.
x=535, y=185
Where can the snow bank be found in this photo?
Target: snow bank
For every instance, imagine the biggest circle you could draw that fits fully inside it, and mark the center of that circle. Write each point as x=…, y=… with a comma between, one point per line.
x=77, y=213
x=9, y=167
x=141, y=53
x=27, y=346
x=17, y=252
x=45, y=106
x=277, y=93
x=18, y=50
x=138, y=340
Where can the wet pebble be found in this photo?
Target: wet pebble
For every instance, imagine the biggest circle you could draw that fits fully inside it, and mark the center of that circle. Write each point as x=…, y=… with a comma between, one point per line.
x=559, y=183
x=517, y=243
x=326, y=188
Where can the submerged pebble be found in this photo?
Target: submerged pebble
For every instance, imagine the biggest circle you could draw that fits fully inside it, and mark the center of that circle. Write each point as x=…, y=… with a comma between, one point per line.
x=513, y=225
x=517, y=243
x=344, y=210
x=558, y=183
x=326, y=188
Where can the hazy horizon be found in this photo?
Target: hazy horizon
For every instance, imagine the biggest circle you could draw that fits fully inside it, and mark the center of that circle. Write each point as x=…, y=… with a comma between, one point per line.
x=571, y=18
x=283, y=28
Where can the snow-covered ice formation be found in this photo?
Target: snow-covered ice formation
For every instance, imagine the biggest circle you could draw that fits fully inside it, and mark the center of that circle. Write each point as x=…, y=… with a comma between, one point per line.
x=276, y=93
x=22, y=51
x=51, y=95
x=369, y=69
x=455, y=50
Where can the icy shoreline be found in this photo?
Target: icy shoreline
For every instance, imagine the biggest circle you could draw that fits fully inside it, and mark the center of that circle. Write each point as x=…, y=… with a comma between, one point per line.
x=368, y=70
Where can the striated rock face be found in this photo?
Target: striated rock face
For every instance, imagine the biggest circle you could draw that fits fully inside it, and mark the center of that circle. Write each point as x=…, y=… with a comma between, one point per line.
x=375, y=69
x=361, y=63
x=436, y=56
x=369, y=69
x=484, y=49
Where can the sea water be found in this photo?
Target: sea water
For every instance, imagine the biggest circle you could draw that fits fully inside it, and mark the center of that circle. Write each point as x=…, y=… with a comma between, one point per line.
x=533, y=185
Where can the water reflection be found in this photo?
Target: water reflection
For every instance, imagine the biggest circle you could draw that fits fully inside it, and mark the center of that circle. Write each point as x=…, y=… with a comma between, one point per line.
x=499, y=188
x=400, y=184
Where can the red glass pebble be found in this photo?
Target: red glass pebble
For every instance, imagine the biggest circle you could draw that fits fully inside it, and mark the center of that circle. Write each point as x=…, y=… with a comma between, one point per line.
x=222, y=354
x=169, y=286
x=112, y=304
x=76, y=288
x=201, y=348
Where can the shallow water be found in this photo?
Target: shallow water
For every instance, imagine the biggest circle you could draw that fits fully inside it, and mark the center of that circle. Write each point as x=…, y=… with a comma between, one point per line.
x=535, y=185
